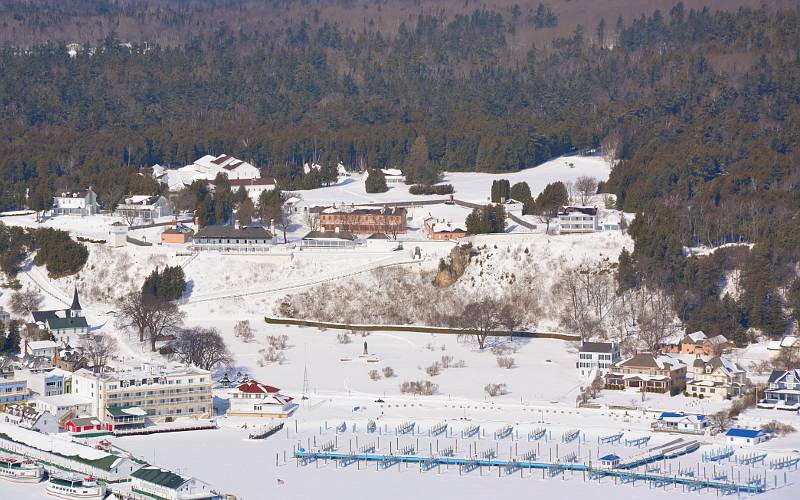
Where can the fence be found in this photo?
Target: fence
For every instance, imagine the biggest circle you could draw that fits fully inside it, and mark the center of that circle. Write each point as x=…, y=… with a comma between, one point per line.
x=415, y=329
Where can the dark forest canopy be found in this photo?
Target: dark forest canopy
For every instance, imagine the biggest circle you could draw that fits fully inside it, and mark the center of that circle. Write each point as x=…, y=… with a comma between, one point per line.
x=702, y=108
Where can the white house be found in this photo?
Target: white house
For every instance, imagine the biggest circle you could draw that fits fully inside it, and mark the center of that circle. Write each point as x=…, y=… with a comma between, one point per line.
x=717, y=379
x=595, y=358
x=328, y=239
x=144, y=207
x=205, y=168
x=232, y=239
x=153, y=482
x=681, y=422
x=27, y=416
x=40, y=348
x=45, y=382
x=577, y=220
x=746, y=437
x=81, y=202
x=392, y=175
x=64, y=406
x=253, y=187
x=117, y=234
x=254, y=399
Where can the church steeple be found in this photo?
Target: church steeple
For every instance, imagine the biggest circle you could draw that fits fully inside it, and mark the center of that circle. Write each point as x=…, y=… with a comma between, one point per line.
x=75, y=308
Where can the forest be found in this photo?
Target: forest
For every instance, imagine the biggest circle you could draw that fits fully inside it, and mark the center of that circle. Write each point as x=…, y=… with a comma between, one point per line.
x=698, y=109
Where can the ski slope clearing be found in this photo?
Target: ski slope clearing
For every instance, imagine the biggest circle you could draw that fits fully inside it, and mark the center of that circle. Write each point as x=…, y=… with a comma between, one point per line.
x=469, y=186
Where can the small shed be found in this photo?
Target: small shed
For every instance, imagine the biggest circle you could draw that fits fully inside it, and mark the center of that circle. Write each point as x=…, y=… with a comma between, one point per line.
x=746, y=437
x=610, y=461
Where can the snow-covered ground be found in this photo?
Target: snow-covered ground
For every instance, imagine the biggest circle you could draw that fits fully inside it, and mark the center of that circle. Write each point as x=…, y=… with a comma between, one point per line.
x=469, y=186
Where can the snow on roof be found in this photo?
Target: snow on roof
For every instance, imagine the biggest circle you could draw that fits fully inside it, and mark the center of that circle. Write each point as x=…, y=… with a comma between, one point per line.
x=774, y=345
x=254, y=387
x=42, y=344
x=51, y=443
x=788, y=341
x=745, y=433
x=443, y=226
x=64, y=400
x=392, y=171
x=697, y=336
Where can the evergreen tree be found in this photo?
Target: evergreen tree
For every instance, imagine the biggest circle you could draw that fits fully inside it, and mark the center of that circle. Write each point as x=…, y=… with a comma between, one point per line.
x=376, y=181
x=520, y=191
x=501, y=191
x=11, y=343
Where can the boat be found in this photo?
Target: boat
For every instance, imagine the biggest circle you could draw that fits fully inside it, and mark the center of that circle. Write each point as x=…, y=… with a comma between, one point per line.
x=75, y=487
x=21, y=471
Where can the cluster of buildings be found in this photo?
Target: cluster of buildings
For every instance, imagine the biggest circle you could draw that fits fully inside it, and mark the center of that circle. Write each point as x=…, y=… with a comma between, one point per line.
x=711, y=375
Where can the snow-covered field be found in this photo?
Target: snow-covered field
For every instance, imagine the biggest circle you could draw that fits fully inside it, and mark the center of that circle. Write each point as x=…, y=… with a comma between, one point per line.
x=469, y=186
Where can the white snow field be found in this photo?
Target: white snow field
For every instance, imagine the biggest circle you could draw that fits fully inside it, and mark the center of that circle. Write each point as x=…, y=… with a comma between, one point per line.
x=469, y=186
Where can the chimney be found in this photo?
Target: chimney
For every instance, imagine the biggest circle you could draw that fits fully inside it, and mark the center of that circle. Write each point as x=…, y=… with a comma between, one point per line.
x=236, y=224
x=197, y=222
x=175, y=222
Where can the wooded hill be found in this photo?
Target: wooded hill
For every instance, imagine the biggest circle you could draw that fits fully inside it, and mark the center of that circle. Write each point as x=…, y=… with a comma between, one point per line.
x=700, y=107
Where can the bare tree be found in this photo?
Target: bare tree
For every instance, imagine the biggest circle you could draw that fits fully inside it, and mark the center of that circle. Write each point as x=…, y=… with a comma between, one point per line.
x=283, y=221
x=610, y=147
x=509, y=316
x=166, y=318
x=98, y=349
x=134, y=312
x=312, y=220
x=23, y=303
x=202, y=347
x=129, y=216
x=481, y=318
x=586, y=187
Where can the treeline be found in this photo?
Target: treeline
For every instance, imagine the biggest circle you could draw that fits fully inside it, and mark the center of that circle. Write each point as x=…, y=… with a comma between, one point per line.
x=55, y=250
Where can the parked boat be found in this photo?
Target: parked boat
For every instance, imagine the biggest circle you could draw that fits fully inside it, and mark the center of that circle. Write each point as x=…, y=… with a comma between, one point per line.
x=22, y=471
x=75, y=487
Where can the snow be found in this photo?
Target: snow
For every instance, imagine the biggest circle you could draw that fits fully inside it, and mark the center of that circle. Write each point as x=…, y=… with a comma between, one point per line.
x=469, y=186
x=60, y=444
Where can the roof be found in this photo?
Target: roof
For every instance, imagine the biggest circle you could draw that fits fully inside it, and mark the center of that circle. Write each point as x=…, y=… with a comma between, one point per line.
x=219, y=160
x=673, y=416
x=254, y=387
x=329, y=235
x=573, y=209
x=42, y=344
x=696, y=337
x=130, y=411
x=729, y=367
x=745, y=433
x=73, y=193
x=610, y=457
x=84, y=421
x=778, y=375
x=244, y=232
x=160, y=477
x=76, y=304
x=377, y=236
x=606, y=347
x=648, y=360
x=265, y=181
x=364, y=211
x=57, y=323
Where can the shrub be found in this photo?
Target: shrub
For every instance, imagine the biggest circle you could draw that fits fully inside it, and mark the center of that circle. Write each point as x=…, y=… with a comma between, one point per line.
x=425, y=189
x=343, y=338
x=447, y=361
x=272, y=355
x=778, y=428
x=459, y=364
x=434, y=369
x=388, y=372
x=279, y=343
x=420, y=387
x=505, y=362
x=374, y=375
x=495, y=389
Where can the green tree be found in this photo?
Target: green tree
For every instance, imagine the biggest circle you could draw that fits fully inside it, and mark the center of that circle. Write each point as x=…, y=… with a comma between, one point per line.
x=376, y=182
x=520, y=191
